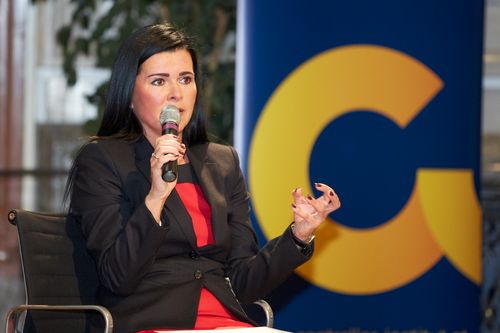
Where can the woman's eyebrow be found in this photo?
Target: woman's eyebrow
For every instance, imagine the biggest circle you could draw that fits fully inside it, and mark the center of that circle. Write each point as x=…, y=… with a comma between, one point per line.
x=159, y=74
x=167, y=74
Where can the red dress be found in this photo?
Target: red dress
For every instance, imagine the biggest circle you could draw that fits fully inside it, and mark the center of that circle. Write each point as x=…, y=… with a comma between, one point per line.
x=211, y=312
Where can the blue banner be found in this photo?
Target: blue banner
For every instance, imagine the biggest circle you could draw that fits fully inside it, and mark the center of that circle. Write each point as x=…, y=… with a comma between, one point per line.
x=381, y=100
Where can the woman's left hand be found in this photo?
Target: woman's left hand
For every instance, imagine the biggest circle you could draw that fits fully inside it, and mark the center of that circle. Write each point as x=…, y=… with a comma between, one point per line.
x=310, y=212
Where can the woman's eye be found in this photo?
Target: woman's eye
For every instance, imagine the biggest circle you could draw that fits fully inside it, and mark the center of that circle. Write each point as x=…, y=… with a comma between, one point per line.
x=158, y=82
x=185, y=79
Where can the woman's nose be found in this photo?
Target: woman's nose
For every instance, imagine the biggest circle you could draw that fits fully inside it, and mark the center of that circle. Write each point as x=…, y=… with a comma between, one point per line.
x=175, y=93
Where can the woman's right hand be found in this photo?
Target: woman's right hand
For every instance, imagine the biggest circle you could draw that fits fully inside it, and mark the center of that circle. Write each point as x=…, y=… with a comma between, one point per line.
x=167, y=149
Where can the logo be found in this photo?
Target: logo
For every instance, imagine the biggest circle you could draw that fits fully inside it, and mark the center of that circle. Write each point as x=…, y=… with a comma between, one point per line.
x=442, y=215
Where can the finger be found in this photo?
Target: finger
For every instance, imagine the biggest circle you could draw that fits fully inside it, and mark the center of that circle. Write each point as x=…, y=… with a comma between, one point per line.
x=169, y=148
x=298, y=198
x=169, y=143
x=299, y=211
x=168, y=140
x=168, y=158
x=334, y=200
x=325, y=189
x=329, y=195
x=157, y=161
x=312, y=218
x=167, y=137
x=165, y=156
x=317, y=204
x=325, y=204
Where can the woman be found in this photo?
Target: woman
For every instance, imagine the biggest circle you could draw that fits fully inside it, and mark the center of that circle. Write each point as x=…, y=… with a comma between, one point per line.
x=182, y=254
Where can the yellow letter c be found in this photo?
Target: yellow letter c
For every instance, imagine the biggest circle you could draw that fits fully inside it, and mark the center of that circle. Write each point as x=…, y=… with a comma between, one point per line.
x=347, y=260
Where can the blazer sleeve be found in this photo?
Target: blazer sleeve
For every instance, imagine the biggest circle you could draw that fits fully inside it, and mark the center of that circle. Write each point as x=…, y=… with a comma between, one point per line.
x=121, y=235
x=253, y=272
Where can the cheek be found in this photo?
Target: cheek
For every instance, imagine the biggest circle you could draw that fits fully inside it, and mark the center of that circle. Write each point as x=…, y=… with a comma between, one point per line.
x=141, y=97
x=145, y=101
x=186, y=118
x=144, y=108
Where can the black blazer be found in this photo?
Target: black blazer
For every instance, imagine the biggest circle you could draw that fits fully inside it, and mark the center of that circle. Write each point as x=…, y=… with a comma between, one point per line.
x=152, y=275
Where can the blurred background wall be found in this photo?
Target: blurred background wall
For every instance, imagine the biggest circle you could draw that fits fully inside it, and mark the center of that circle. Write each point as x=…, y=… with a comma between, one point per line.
x=54, y=58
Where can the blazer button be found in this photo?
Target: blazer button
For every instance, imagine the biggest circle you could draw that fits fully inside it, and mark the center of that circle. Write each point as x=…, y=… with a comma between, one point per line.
x=194, y=255
x=198, y=274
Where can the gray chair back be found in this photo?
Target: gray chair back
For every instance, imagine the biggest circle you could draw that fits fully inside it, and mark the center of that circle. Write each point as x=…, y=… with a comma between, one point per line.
x=57, y=270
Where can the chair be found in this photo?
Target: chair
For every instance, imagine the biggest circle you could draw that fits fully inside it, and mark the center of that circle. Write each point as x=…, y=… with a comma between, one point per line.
x=62, y=277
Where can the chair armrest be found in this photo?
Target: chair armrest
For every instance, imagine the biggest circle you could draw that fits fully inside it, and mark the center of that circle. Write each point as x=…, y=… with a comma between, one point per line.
x=267, y=310
x=108, y=319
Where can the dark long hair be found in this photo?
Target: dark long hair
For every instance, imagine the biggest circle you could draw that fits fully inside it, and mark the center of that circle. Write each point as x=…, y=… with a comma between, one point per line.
x=118, y=120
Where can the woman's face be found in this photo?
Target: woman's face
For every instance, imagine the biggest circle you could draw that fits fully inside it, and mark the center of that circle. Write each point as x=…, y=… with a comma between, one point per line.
x=164, y=78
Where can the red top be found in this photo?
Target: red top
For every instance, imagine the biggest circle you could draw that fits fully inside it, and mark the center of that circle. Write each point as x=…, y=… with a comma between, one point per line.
x=198, y=208
x=211, y=312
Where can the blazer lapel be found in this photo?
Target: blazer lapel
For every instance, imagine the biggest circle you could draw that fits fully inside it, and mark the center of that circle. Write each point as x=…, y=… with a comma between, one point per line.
x=178, y=213
x=206, y=171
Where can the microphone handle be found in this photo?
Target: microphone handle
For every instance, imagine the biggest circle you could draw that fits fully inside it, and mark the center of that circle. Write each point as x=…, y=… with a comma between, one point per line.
x=169, y=169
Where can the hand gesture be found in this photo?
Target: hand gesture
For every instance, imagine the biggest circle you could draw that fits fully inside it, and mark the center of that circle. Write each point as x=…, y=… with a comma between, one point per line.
x=309, y=212
x=167, y=149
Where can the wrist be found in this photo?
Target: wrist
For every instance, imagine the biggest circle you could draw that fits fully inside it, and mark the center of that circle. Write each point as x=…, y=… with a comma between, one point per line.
x=302, y=240
x=155, y=206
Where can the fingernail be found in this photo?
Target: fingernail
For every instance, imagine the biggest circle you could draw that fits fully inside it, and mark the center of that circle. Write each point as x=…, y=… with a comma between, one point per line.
x=317, y=184
x=296, y=189
x=309, y=197
x=293, y=205
x=331, y=193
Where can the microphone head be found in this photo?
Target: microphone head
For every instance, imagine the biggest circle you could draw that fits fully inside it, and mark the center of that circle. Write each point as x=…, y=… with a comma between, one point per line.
x=170, y=114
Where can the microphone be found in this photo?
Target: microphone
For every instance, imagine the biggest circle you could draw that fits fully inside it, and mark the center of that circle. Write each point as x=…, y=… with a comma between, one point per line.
x=169, y=120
